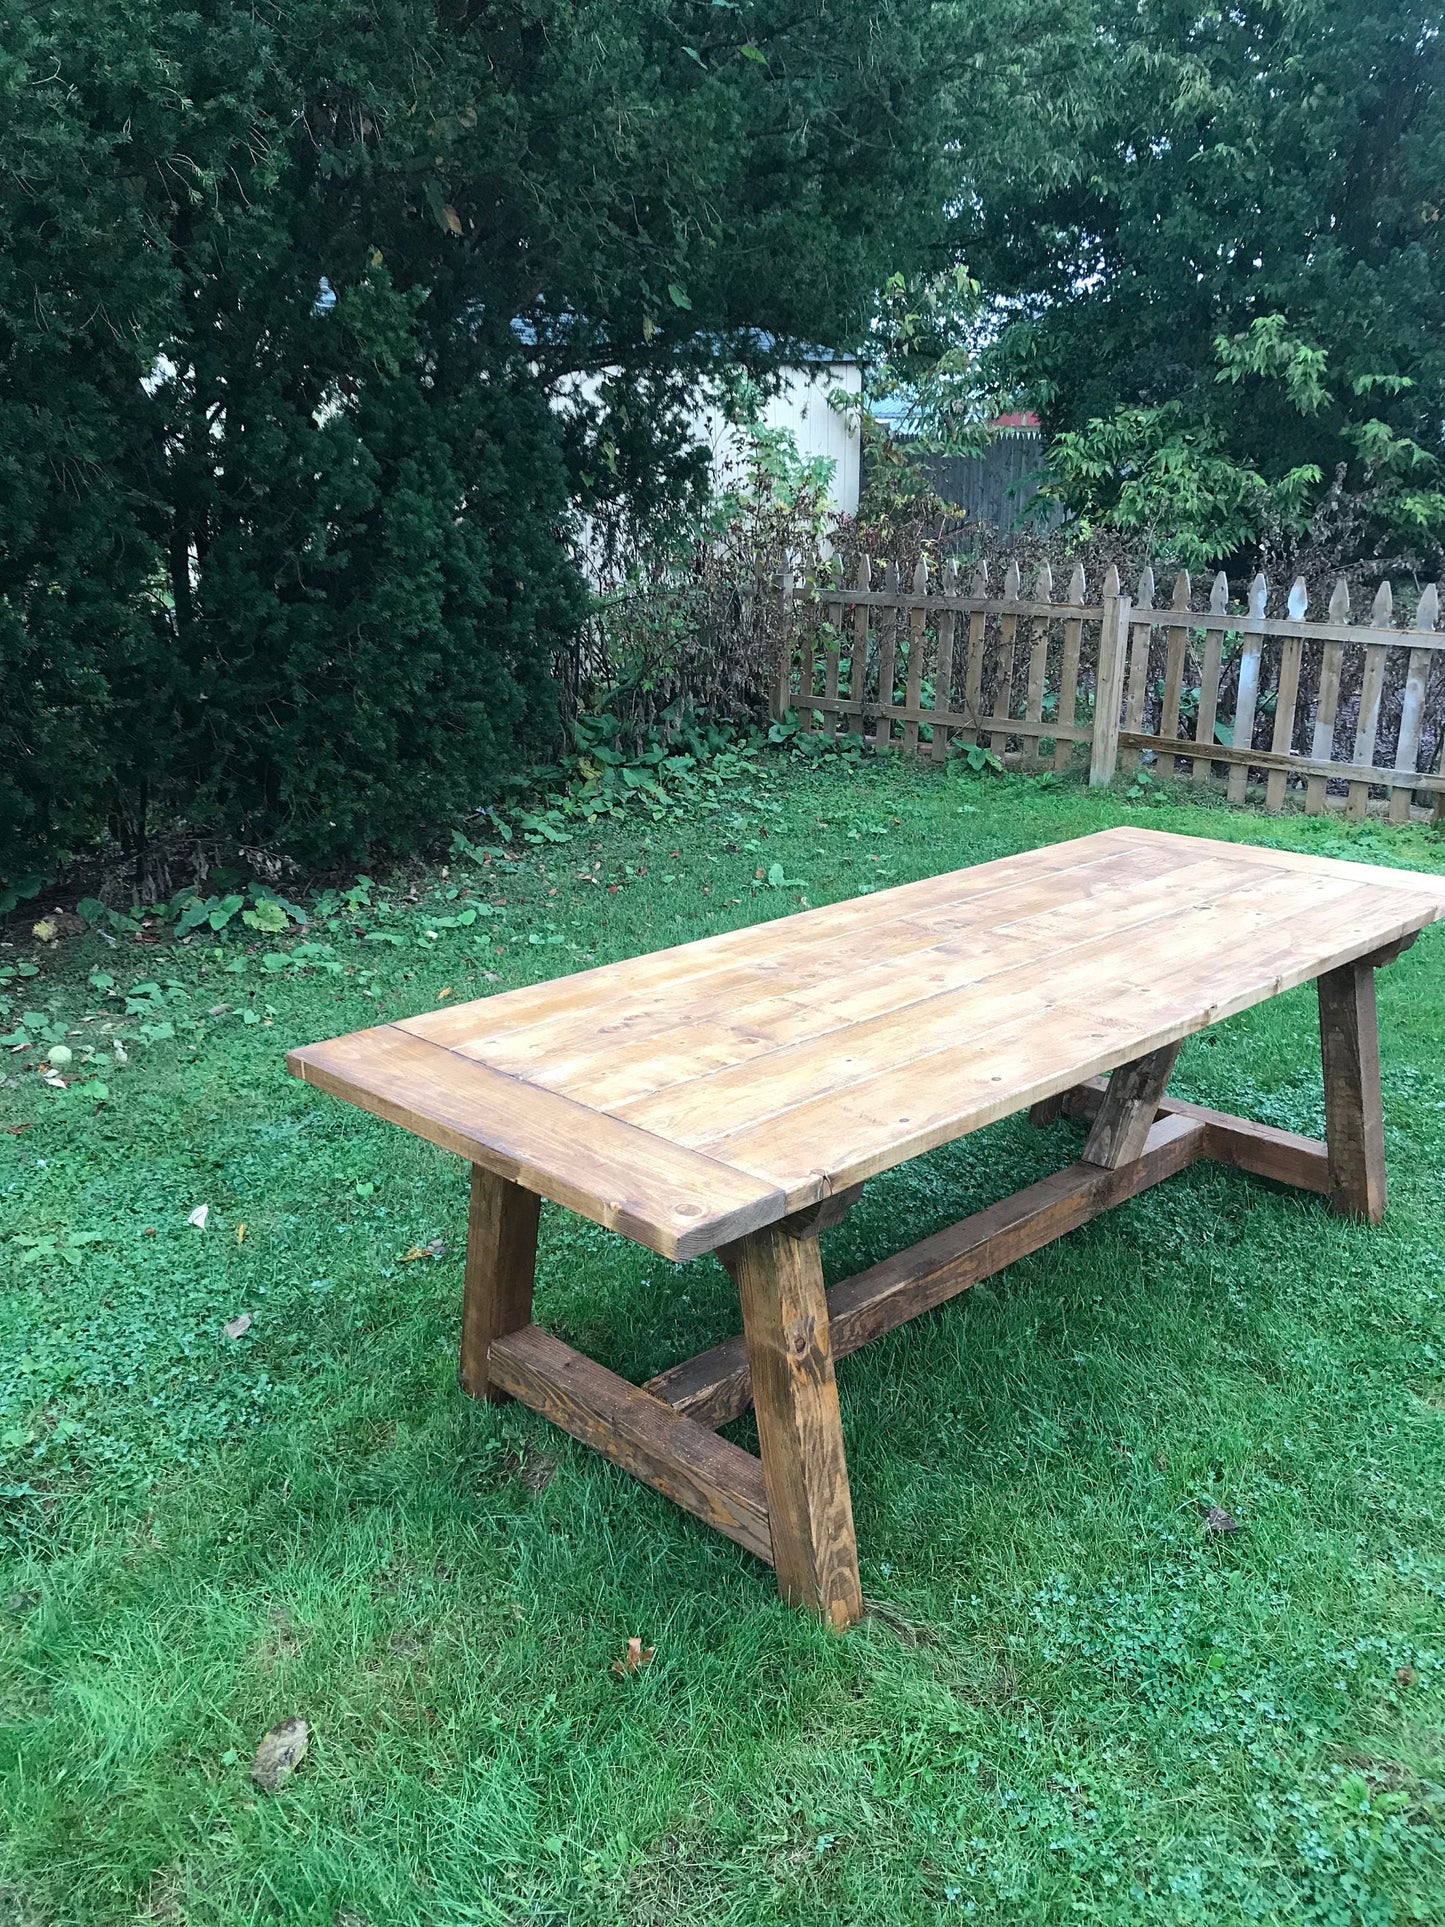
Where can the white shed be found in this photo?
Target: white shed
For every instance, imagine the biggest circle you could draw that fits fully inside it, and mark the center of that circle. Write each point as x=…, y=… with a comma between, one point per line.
x=802, y=406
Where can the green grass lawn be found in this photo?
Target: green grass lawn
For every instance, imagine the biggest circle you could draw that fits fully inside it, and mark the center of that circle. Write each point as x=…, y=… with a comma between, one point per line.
x=1071, y=1700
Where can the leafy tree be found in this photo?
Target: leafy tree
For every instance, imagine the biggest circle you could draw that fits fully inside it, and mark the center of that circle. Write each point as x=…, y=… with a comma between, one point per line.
x=923, y=368
x=304, y=316
x=1225, y=280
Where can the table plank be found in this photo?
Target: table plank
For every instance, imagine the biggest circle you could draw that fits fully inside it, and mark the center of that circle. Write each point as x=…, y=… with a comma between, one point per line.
x=669, y=1198
x=1417, y=885
x=1084, y=983
x=658, y=1047
x=885, y=924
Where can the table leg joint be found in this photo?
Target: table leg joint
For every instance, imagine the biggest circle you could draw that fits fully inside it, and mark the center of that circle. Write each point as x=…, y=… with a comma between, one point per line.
x=1128, y=1108
x=1262, y=1149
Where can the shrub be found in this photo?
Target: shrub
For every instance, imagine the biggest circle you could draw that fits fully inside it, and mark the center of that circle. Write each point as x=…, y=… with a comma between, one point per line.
x=281, y=566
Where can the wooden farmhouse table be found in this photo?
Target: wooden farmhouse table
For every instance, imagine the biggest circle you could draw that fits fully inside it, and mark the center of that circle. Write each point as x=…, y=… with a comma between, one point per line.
x=732, y=1095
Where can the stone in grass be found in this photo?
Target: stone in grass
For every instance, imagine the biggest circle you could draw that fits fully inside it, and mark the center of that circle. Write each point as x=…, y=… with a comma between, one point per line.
x=280, y=1753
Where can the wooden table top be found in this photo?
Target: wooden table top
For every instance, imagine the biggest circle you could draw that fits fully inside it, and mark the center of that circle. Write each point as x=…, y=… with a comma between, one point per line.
x=693, y=1094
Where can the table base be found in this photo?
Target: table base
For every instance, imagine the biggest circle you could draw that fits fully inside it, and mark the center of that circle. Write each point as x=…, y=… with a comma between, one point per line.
x=792, y=1506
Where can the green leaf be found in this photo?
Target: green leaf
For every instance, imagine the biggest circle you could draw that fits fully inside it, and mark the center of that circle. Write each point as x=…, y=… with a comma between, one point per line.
x=223, y=912
x=978, y=759
x=678, y=295
x=18, y=891
x=198, y=913
x=437, y=206
x=268, y=916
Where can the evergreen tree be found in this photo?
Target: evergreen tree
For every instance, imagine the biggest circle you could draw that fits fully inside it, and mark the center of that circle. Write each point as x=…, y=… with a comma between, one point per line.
x=291, y=297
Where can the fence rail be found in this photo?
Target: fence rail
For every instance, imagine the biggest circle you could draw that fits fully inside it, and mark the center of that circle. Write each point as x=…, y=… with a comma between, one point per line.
x=1331, y=712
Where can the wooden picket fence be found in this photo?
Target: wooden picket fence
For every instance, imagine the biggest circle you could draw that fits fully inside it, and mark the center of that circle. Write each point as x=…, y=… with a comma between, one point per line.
x=1331, y=712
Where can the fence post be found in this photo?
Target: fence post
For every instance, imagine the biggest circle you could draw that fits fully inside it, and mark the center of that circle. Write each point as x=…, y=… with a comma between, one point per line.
x=783, y=686
x=1109, y=688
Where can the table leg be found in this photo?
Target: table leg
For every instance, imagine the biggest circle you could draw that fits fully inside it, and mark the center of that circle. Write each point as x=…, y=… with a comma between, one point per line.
x=1354, y=1118
x=795, y=1394
x=501, y=1261
x=812, y=1219
x=1131, y=1103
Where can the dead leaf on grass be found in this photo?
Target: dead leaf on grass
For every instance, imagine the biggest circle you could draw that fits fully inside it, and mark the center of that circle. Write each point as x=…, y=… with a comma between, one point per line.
x=537, y=1474
x=284, y=1641
x=279, y=1754
x=910, y=1631
x=634, y=1659
x=15, y=1129
x=163, y=1900
x=238, y=1326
